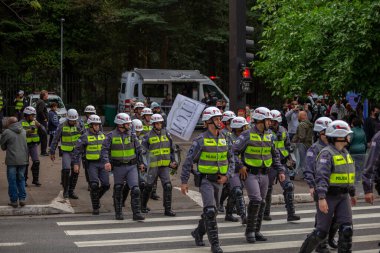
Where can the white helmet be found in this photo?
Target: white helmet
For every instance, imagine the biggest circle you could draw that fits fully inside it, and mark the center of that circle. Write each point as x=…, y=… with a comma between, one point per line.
x=276, y=116
x=154, y=105
x=72, y=114
x=30, y=110
x=321, y=124
x=139, y=105
x=94, y=119
x=137, y=124
x=146, y=111
x=156, y=118
x=261, y=113
x=238, y=122
x=122, y=118
x=227, y=115
x=210, y=112
x=90, y=109
x=338, y=128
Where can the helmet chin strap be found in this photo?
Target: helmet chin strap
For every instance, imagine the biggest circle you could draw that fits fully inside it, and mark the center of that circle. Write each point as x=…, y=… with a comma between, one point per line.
x=216, y=127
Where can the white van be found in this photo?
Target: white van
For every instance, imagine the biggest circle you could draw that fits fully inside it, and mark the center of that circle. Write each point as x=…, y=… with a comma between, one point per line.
x=157, y=84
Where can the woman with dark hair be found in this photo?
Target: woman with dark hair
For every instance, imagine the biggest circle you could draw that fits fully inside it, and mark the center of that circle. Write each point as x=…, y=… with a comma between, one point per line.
x=358, y=147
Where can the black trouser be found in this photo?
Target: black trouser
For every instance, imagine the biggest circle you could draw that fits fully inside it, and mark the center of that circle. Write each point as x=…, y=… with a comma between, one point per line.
x=43, y=137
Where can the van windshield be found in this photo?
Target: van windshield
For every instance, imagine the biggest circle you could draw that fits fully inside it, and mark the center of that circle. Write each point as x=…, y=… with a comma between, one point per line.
x=155, y=90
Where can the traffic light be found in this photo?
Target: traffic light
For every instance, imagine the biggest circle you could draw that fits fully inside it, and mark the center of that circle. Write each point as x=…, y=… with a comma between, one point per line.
x=246, y=79
x=249, y=43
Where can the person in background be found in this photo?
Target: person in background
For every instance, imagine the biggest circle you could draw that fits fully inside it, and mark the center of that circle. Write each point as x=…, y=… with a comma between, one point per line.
x=19, y=104
x=53, y=121
x=339, y=109
x=304, y=132
x=319, y=110
x=371, y=122
x=292, y=118
x=248, y=113
x=13, y=141
x=156, y=109
x=42, y=118
x=358, y=147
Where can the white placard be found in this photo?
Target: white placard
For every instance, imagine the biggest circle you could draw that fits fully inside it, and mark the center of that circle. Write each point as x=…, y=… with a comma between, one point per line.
x=184, y=116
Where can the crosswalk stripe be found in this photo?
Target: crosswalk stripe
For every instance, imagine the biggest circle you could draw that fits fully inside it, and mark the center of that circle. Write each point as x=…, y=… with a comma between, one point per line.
x=186, y=218
x=255, y=247
x=367, y=251
x=184, y=227
x=11, y=244
x=169, y=239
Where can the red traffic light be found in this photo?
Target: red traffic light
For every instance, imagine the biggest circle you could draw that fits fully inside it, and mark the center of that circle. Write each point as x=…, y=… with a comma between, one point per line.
x=246, y=73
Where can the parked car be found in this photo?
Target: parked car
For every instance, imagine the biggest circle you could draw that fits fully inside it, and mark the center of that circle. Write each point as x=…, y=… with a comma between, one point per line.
x=61, y=111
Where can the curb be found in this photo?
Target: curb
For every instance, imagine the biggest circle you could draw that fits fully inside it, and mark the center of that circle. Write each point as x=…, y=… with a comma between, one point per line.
x=298, y=198
x=59, y=205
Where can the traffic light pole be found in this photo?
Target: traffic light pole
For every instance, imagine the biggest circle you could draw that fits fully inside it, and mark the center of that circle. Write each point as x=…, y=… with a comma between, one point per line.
x=237, y=48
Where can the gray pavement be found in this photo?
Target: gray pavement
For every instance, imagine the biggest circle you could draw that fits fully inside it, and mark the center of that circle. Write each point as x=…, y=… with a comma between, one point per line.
x=47, y=199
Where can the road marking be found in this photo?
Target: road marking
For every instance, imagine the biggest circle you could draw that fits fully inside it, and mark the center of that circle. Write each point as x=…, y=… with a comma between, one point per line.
x=184, y=218
x=11, y=244
x=193, y=195
x=170, y=239
x=184, y=227
x=256, y=247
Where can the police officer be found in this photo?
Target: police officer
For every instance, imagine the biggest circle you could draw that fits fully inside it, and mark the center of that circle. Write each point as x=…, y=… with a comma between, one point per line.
x=236, y=197
x=214, y=158
x=371, y=173
x=226, y=192
x=335, y=179
x=320, y=126
x=156, y=109
x=121, y=151
x=137, y=108
x=19, y=104
x=31, y=126
x=88, y=111
x=90, y=144
x=68, y=132
x=255, y=154
x=159, y=145
x=282, y=144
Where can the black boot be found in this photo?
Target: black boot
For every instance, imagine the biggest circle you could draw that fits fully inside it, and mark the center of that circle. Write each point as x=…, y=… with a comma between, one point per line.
x=230, y=208
x=117, y=201
x=253, y=210
x=168, y=200
x=212, y=228
x=312, y=241
x=103, y=189
x=145, y=198
x=36, y=172
x=153, y=194
x=223, y=197
x=332, y=232
x=268, y=201
x=94, y=194
x=199, y=232
x=240, y=204
x=73, y=182
x=258, y=235
x=65, y=178
x=125, y=193
x=345, y=238
x=322, y=247
x=289, y=203
x=135, y=204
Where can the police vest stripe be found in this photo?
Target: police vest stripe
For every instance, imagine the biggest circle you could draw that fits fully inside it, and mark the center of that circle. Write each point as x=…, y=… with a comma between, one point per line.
x=1, y=102
x=214, y=156
x=343, y=173
x=94, y=146
x=258, y=152
x=123, y=151
x=70, y=135
x=280, y=145
x=19, y=104
x=159, y=149
x=33, y=137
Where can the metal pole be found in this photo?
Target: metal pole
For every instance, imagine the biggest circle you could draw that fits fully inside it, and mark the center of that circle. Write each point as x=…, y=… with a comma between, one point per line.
x=61, y=83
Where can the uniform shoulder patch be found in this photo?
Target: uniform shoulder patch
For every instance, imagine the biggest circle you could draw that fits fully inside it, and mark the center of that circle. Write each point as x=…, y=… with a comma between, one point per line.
x=373, y=144
x=309, y=153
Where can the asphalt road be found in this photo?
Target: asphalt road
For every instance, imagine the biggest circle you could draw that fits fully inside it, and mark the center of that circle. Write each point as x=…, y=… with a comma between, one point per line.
x=159, y=234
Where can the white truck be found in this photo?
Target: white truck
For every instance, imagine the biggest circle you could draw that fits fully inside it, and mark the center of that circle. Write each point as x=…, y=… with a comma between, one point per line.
x=158, y=84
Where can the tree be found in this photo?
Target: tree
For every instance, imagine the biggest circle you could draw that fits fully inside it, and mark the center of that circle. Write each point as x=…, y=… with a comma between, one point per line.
x=320, y=45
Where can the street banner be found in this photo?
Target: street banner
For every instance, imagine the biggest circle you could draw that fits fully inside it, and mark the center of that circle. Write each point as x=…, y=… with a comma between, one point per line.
x=184, y=116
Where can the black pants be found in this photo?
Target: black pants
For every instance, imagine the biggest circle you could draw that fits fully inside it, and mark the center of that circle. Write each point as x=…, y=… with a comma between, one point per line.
x=43, y=137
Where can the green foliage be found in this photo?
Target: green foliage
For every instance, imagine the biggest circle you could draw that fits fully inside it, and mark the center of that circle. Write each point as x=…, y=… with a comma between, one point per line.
x=320, y=45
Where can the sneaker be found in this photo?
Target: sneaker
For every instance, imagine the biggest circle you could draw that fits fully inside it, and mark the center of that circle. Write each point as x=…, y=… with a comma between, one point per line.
x=13, y=204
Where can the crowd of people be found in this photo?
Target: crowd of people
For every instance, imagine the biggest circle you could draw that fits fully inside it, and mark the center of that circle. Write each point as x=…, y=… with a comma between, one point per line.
x=250, y=151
